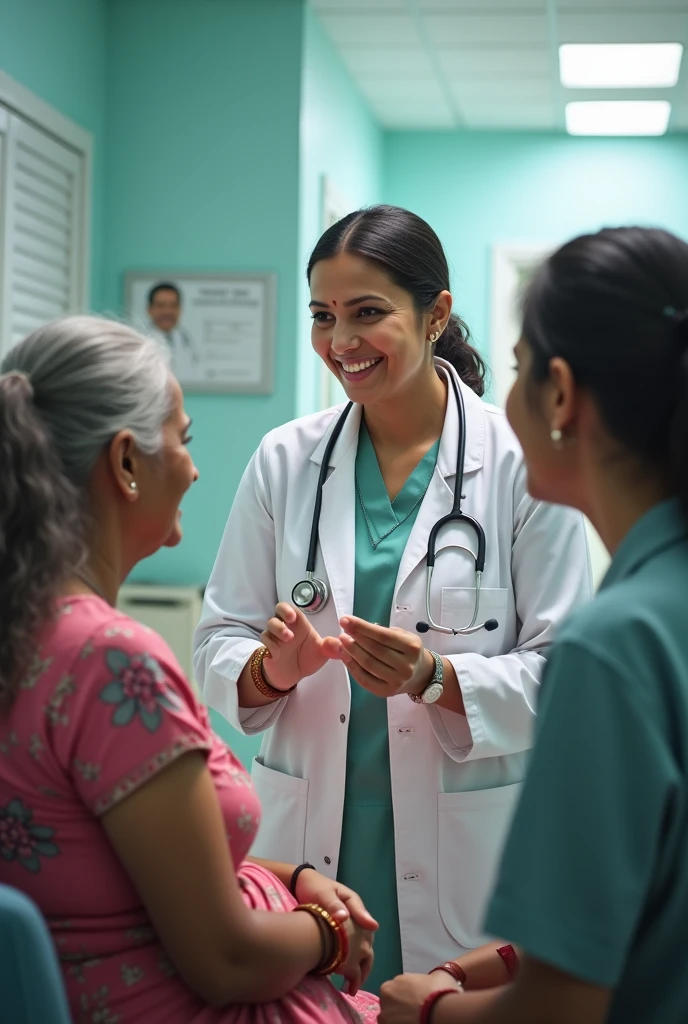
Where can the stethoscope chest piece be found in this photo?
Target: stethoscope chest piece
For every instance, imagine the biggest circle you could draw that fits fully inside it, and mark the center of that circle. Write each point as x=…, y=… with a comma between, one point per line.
x=310, y=595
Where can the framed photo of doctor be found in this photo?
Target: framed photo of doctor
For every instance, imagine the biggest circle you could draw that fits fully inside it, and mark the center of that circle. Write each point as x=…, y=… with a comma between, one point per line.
x=219, y=327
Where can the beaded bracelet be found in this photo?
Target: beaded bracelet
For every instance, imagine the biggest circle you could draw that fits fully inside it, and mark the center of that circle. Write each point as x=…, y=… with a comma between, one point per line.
x=341, y=952
x=457, y=973
x=429, y=1003
x=259, y=681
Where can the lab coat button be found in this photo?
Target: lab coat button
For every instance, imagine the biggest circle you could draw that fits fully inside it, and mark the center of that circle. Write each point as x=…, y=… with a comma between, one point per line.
x=327, y=860
x=342, y=719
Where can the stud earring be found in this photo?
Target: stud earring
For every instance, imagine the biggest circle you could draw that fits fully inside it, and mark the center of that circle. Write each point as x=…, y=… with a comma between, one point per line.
x=556, y=436
x=133, y=486
x=434, y=337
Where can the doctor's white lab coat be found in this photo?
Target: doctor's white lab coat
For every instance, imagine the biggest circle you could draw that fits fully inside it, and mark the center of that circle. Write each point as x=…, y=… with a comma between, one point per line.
x=455, y=779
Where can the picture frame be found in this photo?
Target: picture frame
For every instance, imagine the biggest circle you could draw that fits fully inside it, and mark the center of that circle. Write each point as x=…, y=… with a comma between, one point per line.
x=220, y=329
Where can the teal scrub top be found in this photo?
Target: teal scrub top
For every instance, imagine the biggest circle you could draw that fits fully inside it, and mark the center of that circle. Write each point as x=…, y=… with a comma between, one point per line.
x=594, y=878
x=366, y=858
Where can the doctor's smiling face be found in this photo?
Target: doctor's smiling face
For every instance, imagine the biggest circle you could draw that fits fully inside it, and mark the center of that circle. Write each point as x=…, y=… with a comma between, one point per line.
x=367, y=328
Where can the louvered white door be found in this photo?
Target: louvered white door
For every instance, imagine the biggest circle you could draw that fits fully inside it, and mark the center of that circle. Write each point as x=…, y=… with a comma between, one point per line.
x=42, y=245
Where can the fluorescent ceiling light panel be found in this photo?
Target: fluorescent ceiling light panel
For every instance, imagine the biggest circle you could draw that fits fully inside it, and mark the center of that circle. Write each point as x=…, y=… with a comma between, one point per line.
x=619, y=65
x=618, y=117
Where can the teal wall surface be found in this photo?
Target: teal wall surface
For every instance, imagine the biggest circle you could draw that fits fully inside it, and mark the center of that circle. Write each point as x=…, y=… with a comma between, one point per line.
x=481, y=189
x=340, y=139
x=203, y=173
x=57, y=50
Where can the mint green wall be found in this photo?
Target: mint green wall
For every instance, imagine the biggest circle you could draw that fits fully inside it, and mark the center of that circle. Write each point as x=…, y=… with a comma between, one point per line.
x=339, y=139
x=480, y=189
x=56, y=48
x=202, y=174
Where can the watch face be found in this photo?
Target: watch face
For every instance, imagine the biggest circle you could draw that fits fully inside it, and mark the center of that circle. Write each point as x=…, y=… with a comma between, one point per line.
x=433, y=692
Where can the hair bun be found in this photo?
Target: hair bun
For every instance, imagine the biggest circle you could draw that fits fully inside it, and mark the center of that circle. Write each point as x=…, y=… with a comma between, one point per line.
x=18, y=377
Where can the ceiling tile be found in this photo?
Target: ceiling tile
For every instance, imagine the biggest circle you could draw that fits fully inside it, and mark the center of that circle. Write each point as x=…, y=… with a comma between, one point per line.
x=428, y=92
x=487, y=29
x=500, y=116
x=478, y=6
x=380, y=64
x=620, y=5
x=517, y=91
x=363, y=6
x=654, y=26
x=459, y=64
x=414, y=116
x=383, y=31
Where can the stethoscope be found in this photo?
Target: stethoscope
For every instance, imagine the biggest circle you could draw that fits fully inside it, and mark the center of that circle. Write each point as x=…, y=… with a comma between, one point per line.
x=312, y=594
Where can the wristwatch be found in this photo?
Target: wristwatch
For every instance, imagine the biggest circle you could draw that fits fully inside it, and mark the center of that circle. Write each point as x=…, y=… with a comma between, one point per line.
x=435, y=688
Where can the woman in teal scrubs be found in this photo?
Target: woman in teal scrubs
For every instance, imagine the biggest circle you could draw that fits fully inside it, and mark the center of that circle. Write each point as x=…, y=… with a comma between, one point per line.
x=593, y=885
x=384, y=759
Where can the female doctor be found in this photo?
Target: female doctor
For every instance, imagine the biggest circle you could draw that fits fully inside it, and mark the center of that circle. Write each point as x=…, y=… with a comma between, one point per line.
x=392, y=760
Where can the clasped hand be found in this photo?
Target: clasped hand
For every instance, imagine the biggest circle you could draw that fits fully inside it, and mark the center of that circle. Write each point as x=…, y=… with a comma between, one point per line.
x=382, y=659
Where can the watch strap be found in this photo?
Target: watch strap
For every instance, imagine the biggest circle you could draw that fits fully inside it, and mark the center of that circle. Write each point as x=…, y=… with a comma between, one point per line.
x=437, y=677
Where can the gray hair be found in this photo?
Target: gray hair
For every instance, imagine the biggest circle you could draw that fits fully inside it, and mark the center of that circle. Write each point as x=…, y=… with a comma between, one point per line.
x=91, y=378
x=65, y=392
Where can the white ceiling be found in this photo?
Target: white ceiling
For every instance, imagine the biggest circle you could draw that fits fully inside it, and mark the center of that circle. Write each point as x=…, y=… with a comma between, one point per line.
x=491, y=64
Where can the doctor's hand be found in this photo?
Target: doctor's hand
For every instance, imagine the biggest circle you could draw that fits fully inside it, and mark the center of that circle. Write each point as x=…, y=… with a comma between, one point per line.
x=296, y=649
x=385, y=660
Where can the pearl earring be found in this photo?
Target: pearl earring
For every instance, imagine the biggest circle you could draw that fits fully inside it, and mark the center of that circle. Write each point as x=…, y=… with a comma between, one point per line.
x=133, y=486
x=556, y=436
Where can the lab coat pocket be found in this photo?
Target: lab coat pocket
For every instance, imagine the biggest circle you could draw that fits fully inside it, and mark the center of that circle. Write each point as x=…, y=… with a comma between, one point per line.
x=472, y=828
x=457, y=611
x=284, y=800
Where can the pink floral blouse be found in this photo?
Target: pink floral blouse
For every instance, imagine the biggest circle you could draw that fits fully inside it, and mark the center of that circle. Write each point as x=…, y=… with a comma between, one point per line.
x=103, y=707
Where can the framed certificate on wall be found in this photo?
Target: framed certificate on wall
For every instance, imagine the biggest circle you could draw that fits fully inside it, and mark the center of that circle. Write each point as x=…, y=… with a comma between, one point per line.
x=219, y=328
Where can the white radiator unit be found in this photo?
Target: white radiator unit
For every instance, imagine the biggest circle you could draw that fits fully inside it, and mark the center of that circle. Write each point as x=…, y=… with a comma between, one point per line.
x=173, y=612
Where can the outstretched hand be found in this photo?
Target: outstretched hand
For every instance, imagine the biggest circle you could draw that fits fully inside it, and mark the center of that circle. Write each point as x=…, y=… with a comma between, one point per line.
x=296, y=648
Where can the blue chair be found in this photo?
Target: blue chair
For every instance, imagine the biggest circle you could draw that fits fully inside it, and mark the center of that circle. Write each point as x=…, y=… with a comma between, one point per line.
x=31, y=989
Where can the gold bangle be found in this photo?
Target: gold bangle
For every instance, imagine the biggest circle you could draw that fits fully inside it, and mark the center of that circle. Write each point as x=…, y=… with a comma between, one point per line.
x=341, y=952
x=259, y=681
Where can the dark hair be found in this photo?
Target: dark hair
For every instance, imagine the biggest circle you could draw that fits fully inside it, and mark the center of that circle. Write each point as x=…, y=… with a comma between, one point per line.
x=65, y=392
x=407, y=249
x=614, y=305
x=164, y=286
x=41, y=529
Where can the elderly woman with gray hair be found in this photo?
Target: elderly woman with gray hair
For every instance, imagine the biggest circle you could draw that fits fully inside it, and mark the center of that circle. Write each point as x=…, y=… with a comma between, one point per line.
x=121, y=813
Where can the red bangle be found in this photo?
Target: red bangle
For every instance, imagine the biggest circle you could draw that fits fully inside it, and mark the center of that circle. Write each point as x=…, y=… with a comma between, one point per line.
x=510, y=958
x=429, y=1004
x=457, y=973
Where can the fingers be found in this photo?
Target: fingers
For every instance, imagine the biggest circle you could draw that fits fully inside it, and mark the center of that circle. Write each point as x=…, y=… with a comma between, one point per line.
x=392, y=675
x=396, y=639
x=337, y=909
x=366, y=967
x=394, y=660
x=354, y=981
x=368, y=681
x=332, y=648
x=358, y=912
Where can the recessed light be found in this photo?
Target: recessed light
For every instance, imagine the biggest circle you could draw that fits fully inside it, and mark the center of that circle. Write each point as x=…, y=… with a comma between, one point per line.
x=619, y=65
x=618, y=117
